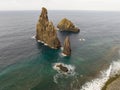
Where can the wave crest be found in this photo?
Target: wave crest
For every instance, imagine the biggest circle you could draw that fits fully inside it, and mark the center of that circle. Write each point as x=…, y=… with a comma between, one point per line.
x=98, y=83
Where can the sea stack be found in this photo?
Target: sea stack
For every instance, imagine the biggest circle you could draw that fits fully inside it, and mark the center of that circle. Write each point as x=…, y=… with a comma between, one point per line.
x=66, y=47
x=46, y=32
x=67, y=25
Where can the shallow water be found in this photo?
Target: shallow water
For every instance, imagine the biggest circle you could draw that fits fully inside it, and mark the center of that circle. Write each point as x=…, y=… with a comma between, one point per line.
x=26, y=64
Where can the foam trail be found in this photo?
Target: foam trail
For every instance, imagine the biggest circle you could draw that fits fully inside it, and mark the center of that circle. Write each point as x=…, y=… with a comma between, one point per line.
x=55, y=78
x=98, y=83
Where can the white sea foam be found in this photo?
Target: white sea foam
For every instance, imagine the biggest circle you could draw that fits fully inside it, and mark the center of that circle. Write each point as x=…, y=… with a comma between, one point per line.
x=82, y=39
x=61, y=48
x=71, y=71
x=41, y=42
x=38, y=40
x=45, y=44
x=115, y=68
x=98, y=83
x=64, y=55
x=69, y=67
x=33, y=37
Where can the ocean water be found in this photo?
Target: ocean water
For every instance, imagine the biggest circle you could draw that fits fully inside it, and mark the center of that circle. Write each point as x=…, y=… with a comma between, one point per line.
x=28, y=65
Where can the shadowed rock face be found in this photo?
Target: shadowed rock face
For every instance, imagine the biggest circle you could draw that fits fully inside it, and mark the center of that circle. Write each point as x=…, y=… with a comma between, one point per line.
x=67, y=25
x=46, y=32
x=66, y=47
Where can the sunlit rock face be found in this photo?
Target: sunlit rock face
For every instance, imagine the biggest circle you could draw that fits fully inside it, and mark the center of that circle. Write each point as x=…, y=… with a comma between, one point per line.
x=46, y=32
x=67, y=25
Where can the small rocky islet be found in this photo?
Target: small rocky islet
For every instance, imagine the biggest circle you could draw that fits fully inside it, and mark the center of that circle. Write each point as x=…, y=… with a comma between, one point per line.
x=67, y=25
x=47, y=33
x=62, y=67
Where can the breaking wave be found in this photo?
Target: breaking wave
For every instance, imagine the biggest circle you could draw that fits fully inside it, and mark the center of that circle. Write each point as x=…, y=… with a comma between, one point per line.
x=98, y=83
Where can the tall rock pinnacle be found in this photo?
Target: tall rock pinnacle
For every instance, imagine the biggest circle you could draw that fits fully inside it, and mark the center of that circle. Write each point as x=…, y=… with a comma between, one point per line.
x=66, y=47
x=46, y=32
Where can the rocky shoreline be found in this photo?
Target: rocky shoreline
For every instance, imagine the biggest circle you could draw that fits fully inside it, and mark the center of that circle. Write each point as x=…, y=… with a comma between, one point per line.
x=112, y=83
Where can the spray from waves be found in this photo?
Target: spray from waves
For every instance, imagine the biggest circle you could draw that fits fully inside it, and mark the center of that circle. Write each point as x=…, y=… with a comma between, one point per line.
x=62, y=74
x=61, y=48
x=98, y=83
x=33, y=37
x=62, y=54
x=82, y=39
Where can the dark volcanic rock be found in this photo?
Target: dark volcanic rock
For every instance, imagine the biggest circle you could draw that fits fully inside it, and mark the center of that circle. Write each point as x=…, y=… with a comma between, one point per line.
x=66, y=47
x=62, y=68
x=46, y=32
x=67, y=25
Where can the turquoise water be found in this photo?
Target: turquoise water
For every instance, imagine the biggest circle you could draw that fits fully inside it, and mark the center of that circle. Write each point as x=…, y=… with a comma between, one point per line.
x=28, y=65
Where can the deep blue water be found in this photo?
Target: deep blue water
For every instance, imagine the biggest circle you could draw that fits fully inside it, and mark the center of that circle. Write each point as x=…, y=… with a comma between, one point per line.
x=28, y=65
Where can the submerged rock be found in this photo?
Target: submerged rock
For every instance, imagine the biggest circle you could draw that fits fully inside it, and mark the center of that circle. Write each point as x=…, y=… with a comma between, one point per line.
x=66, y=47
x=46, y=32
x=67, y=25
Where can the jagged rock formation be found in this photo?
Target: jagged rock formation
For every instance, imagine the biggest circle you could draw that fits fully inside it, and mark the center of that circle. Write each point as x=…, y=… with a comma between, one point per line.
x=46, y=32
x=67, y=25
x=66, y=47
